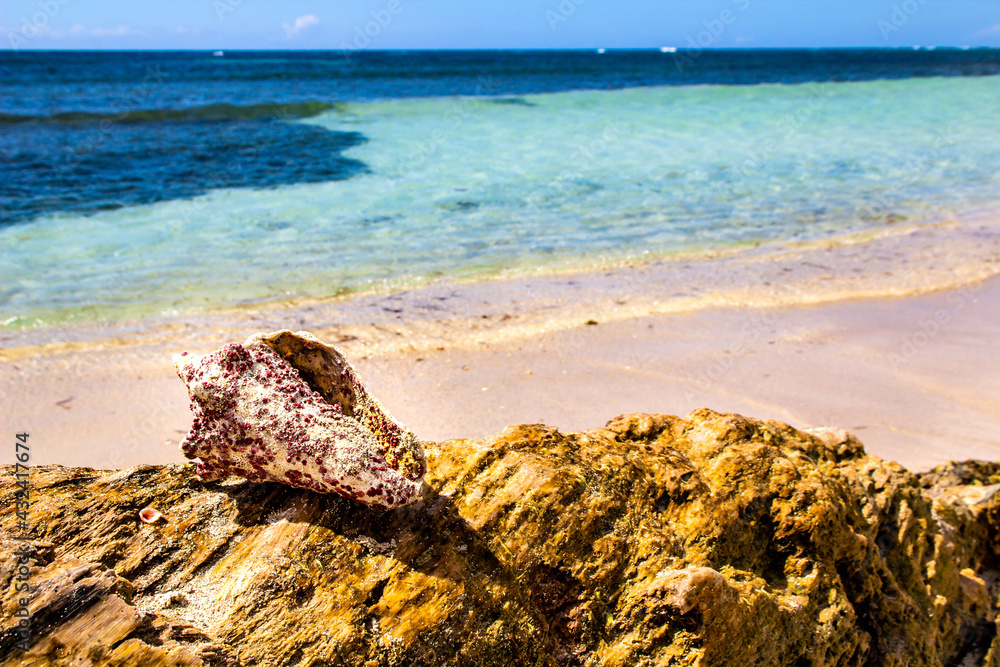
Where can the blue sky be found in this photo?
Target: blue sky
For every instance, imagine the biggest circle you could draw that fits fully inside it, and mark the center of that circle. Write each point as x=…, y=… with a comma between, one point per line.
x=402, y=24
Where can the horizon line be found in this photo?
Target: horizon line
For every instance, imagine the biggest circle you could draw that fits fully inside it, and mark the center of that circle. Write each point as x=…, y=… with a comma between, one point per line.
x=601, y=49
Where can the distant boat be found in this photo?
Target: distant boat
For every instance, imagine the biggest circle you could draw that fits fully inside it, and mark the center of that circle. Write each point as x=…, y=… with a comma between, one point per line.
x=601, y=50
x=217, y=53
x=668, y=49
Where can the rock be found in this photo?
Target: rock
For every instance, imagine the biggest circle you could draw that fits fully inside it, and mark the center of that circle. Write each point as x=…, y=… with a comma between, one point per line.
x=708, y=540
x=286, y=407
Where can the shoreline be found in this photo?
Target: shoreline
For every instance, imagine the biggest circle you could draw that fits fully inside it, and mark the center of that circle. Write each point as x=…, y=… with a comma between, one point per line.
x=889, y=261
x=800, y=334
x=845, y=364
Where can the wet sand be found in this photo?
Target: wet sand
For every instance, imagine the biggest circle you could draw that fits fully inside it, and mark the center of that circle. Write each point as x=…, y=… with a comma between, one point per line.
x=894, y=336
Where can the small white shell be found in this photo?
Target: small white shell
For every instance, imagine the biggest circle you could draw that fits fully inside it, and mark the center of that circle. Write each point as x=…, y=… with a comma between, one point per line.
x=149, y=515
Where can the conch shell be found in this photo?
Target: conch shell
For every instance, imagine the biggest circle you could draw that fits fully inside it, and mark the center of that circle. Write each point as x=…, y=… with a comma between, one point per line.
x=289, y=408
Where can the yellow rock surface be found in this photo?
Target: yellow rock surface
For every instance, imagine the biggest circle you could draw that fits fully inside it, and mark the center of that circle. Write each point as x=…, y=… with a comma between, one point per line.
x=706, y=540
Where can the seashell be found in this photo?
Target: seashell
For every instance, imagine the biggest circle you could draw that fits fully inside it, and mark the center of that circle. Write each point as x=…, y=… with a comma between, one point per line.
x=149, y=515
x=287, y=407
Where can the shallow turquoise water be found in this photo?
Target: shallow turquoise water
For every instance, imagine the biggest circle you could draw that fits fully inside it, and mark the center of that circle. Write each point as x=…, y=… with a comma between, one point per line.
x=472, y=187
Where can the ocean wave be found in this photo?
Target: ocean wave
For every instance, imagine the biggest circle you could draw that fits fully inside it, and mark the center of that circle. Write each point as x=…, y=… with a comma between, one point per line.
x=206, y=113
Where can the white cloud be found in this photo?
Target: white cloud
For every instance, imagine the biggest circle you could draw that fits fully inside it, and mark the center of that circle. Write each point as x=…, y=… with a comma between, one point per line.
x=120, y=30
x=301, y=23
x=19, y=36
x=994, y=30
x=80, y=30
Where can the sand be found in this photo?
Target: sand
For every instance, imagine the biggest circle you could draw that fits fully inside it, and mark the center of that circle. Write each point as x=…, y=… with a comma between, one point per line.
x=894, y=335
x=866, y=365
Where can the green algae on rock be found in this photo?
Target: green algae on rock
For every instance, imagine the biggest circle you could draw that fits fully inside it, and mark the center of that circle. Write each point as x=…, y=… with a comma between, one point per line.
x=707, y=540
x=288, y=408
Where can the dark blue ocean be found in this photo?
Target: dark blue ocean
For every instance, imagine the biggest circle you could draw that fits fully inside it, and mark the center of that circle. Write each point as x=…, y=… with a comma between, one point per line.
x=136, y=183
